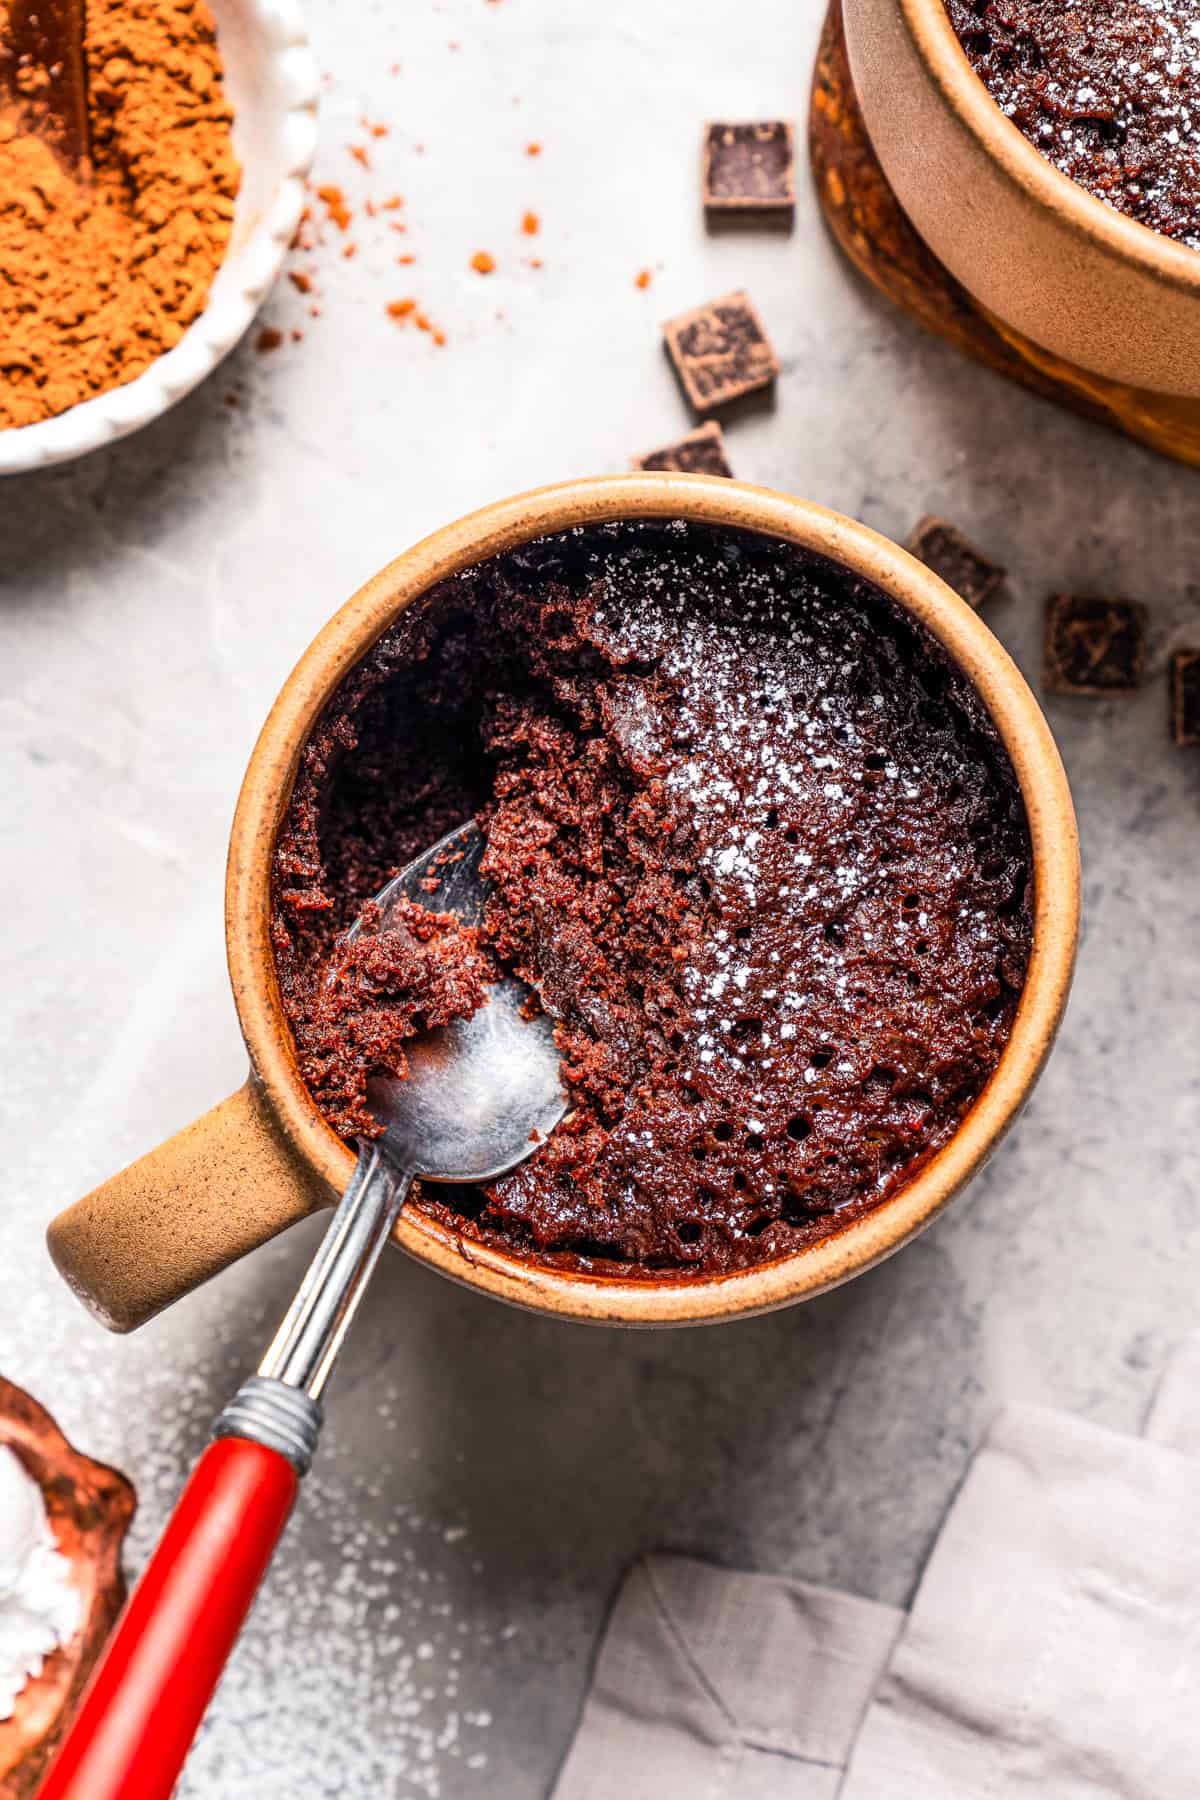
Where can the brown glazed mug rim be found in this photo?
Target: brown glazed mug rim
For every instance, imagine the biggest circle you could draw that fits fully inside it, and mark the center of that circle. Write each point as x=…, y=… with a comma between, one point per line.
x=658, y=1300
x=970, y=100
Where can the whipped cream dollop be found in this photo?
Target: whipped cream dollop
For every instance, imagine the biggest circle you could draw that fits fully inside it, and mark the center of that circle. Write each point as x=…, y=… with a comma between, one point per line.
x=39, y=1607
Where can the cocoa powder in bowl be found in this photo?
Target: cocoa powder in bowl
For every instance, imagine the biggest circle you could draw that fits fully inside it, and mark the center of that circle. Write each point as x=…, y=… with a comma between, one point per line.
x=99, y=277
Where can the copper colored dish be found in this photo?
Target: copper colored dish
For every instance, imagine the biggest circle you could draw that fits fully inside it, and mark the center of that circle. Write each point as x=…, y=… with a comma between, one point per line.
x=90, y=1508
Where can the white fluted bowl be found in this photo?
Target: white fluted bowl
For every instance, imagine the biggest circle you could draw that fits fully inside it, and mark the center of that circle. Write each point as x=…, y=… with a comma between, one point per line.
x=271, y=79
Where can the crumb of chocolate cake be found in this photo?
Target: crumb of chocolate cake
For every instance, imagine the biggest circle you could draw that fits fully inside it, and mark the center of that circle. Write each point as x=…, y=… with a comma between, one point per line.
x=379, y=990
x=751, y=839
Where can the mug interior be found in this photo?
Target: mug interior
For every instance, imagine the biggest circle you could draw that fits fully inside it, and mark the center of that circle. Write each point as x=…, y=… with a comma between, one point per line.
x=1057, y=272
x=1126, y=238
x=673, y=1298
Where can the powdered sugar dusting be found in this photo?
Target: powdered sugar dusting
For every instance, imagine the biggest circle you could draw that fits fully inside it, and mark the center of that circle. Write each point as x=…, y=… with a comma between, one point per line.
x=386, y=1608
x=861, y=872
x=361, y=1619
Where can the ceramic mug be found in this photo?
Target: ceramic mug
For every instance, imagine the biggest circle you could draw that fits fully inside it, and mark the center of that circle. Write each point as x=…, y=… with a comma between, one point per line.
x=1051, y=263
x=265, y=1158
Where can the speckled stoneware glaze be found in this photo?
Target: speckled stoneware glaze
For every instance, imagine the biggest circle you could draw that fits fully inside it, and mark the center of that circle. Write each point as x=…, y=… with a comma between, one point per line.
x=1042, y=255
x=266, y=1157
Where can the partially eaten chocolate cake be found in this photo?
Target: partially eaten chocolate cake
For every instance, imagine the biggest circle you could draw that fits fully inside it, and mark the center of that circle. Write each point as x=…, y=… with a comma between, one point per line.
x=752, y=841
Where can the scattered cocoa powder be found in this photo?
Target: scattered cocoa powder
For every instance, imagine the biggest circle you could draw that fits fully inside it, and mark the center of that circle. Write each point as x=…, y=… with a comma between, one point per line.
x=99, y=278
x=335, y=205
x=407, y=311
x=302, y=237
x=341, y=210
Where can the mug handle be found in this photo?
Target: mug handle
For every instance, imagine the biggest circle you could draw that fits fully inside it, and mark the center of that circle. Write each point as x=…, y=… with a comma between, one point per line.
x=218, y=1188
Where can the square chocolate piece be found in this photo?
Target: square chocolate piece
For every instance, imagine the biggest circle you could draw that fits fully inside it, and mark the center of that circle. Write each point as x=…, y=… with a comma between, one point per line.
x=1185, y=698
x=701, y=452
x=720, y=352
x=749, y=168
x=944, y=549
x=1094, y=645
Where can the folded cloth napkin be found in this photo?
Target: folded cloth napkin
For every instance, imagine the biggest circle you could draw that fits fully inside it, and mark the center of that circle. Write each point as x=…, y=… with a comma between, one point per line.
x=1053, y=1647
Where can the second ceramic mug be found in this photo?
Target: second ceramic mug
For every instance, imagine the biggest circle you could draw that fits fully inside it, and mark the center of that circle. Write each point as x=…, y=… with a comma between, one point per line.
x=1049, y=261
x=265, y=1157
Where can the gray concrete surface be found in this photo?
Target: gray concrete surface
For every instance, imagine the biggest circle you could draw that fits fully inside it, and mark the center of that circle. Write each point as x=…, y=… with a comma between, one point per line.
x=487, y=1476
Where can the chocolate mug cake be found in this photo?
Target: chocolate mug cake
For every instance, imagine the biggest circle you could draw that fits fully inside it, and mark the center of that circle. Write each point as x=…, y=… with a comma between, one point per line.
x=1108, y=90
x=752, y=841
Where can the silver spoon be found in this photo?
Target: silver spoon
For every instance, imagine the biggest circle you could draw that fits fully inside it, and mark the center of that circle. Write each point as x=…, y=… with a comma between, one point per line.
x=479, y=1096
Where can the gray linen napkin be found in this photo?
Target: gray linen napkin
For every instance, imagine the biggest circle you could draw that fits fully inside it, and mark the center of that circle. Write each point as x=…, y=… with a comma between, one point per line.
x=712, y=1685
x=1053, y=1648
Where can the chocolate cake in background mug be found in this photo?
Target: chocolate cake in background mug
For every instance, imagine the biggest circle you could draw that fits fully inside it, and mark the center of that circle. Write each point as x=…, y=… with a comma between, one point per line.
x=752, y=840
x=1107, y=90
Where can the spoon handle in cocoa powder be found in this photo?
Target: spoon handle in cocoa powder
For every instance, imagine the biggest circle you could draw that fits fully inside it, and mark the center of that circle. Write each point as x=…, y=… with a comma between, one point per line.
x=43, y=74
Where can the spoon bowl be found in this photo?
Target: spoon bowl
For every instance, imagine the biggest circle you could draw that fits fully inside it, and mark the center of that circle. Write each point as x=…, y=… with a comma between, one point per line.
x=482, y=1092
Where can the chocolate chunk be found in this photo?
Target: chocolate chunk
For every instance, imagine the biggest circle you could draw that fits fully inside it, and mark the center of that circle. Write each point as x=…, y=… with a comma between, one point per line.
x=701, y=452
x=720, y=352
x=749, y=168
x=944, y=549
x=1185, y=698
x=1094, y=645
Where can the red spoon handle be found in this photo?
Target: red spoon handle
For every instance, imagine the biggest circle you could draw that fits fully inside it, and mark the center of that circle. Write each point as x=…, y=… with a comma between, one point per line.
x=139, y=1714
